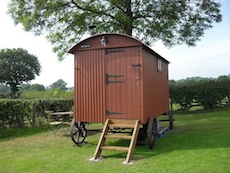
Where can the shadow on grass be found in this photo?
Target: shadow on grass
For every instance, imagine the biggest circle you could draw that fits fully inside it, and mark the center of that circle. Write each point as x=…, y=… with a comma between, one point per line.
x=199, y=111
x=188, y=138
x=193, y=132
x=174, y=141
x=198, y=131
x=8, y=134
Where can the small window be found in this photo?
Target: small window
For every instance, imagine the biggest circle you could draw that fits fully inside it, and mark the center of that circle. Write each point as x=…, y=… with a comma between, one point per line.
x=159, y=65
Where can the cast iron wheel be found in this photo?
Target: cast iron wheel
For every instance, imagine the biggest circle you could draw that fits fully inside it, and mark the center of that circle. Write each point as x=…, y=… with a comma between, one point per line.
x=152, y=132
x=79, y=132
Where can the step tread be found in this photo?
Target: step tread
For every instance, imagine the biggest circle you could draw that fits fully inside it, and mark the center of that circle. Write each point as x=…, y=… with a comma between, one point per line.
x=121, y=125
x=117, y=148
x=118, y=136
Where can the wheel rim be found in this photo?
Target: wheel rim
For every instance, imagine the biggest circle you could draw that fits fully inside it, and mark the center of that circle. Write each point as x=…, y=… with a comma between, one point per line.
x=171, y=124
x=79, y=132
x=152, y=132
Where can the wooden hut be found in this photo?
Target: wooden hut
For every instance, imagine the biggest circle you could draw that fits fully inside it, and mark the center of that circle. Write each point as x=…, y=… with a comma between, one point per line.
x=117, y=76
x=120, y=80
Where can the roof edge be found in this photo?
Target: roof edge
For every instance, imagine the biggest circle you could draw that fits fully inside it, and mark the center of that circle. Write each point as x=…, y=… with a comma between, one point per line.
x=71, y=50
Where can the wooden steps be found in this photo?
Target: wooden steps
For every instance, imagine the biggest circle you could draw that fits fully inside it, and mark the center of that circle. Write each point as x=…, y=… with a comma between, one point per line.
x=118, y=123
x=117, y=148
x=121, y=125
x=118, y=136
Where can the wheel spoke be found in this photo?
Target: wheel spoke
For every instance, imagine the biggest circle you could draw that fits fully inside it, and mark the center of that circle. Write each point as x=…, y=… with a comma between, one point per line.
x=79, y=132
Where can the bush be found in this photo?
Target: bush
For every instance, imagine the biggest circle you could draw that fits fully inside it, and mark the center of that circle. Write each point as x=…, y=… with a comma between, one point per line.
x=56, y=93
x=21, y=112
x=207, y=93
x=13, y=112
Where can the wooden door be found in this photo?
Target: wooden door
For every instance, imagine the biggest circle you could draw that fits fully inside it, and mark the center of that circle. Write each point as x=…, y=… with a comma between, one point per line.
x=123, y=83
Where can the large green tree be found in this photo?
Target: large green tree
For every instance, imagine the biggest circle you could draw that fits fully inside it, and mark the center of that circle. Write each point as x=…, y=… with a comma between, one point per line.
x=17, y=66
x=66, y=21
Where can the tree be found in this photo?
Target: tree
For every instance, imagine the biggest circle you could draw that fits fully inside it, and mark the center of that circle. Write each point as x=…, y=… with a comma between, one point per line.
x=224, y=82
x=66, y=21
x=25, y=87
x=61, y=84
x=33, y=87
x=37, y=87
x=17, y=66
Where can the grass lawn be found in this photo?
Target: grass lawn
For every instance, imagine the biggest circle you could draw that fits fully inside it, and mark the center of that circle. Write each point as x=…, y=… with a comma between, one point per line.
x=199, y=143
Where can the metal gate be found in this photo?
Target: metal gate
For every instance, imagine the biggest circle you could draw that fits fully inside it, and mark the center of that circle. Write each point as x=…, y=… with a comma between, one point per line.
x=123, y=83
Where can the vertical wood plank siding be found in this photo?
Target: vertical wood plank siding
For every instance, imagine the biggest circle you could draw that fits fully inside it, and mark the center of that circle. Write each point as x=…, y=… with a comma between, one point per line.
x=155, y=87
x=118, y=80
x=123, y=95
x=90, y=86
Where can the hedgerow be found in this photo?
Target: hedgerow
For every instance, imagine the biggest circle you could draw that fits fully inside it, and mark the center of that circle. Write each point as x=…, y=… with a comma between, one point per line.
x=207, y=93
x=29, y=112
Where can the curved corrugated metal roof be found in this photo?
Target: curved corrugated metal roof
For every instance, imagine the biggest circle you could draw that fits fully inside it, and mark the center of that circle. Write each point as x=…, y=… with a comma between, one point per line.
x=145, y=46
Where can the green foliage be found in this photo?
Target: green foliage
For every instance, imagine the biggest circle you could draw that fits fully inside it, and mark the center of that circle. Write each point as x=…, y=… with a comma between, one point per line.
x=208, y=93
x=57, y=93
x=14, y=112
x=173, y=22
x=60, y=83
x=17, y=66
x=21, y=112
x=25, y=87
x=33, y=87
x=182, y=96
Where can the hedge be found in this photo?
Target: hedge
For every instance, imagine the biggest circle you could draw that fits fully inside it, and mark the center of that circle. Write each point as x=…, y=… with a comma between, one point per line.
x=22, y=112
x=208, y=94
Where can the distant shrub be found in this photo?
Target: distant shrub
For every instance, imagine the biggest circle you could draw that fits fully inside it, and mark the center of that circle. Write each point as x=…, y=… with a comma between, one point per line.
x=207, y=93
x=21, y=112
x=56, y=93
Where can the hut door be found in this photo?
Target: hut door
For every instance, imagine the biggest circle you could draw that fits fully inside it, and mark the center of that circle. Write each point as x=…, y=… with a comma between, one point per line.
x=123, y=83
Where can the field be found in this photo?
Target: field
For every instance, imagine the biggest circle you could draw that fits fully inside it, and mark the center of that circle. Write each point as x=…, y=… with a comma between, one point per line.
x=199, y=143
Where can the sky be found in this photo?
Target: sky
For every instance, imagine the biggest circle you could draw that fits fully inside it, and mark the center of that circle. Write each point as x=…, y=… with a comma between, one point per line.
x=209, y=58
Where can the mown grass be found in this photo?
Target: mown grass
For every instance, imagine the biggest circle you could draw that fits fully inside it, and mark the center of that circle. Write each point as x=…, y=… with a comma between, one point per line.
x=7, y=134
x=199, y=143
